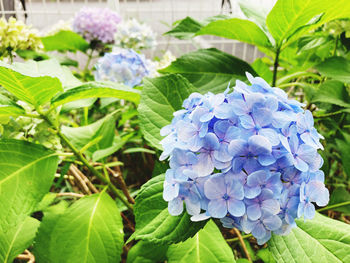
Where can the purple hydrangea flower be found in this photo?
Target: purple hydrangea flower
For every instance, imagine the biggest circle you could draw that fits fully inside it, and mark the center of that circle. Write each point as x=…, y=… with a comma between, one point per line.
x=248, y=157
x=96, y=24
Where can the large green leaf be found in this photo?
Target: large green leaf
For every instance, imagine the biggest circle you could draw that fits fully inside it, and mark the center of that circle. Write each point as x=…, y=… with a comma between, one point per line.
x=337, y=68
x=26, y=174
x=50, y=67
x=27, y=86
x=91, y=230
x=15, y=240
x=318, y=240
x=344, y=148
x=160, y=98
x=65, y=41
x=239, y=29
x=154, y=223
x=210, y=69
x=97, y=90
x=339, y=195
x=289, y=19
x=207, y=246
x=102, y=131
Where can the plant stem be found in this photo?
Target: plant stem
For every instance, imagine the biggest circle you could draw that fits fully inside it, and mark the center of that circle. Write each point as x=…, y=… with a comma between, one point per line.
x=88, y=61
x=329, y=114
x=333, y=206
x=241, y=241
x=88, y=165
x=275, y=66
x=237, y=239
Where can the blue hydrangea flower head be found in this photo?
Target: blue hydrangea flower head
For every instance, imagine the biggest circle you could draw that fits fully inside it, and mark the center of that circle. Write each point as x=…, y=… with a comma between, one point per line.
x=96, y=24
x=248, y=157
x=123, y=66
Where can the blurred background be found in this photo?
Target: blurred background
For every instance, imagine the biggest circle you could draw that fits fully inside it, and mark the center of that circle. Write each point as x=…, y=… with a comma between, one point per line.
x=159, y=14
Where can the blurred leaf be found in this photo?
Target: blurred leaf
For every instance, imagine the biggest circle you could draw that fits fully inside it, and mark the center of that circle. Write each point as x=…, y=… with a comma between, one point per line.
x=65, y=41
x=339, y=195
x=154, y=223
x=238, y=29
x=9, y=108
x=91, y=230
x=208, y=245
x=160, y=98
x=185, y=29
x=81, y=136
x=333, y=92
x=28, y=86
x=318, y=240
x=265, y=255
x=210, y=69
x=31, y=54
x=262, y=69
x=344, y=148
x=337, y=68
x=97, y=90
x=26, y=173
x=289, y=19
x=15, y=240
x=144, y=252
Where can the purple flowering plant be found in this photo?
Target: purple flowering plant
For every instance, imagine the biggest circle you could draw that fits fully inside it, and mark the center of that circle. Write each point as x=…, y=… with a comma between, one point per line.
x=96, y=24
x=247, y=157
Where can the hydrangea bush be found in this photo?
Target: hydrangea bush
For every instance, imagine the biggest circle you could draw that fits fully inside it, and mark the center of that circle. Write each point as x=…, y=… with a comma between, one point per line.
x=96, y=24
x=123, y=66
x=248, y=157
x=135, y=35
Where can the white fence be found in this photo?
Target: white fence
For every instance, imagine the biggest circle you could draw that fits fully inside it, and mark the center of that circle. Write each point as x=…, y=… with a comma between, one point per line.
x=160, y=14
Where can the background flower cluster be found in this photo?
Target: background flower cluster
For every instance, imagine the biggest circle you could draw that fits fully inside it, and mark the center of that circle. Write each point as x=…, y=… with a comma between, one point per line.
x=248, y=157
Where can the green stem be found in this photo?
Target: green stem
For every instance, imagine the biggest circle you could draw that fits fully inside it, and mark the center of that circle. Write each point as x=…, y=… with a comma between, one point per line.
x=333, y=206
x=88, y=165
x=292, y=84
x=296, y=75
x=88, y=61
x=275, y=67
x=237, y=239
x=329, y=114
x=335, y=47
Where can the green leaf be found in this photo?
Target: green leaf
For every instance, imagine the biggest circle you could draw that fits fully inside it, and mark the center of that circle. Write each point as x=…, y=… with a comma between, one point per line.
x=154, y=223
x=144, y=252
x=333, y=92
x=90, y=230
x=265, y=255
x=50, y=67
x=239, y=29
x=26, y=174
x=337, y=68
x=256, y=13
x=210, y=69
x=160, y=98
x=290, y=19
x=65, y=41
x=185, y=28
x=43, y=237
x=339, y=195
x=83, y=135
x=15, y=240
x=97, y=90
x=28, y=86
x=318, y=240
x=344, y=148
x=207, y=246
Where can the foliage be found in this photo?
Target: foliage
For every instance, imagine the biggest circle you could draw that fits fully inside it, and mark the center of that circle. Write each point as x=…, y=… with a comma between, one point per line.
x=80, y=175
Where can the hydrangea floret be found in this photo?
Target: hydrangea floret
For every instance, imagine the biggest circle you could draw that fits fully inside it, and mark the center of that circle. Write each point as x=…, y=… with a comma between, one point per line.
x=16, y=35
x=135, y=35
x=248, y=157
x=96, y=24
x=123, y=66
